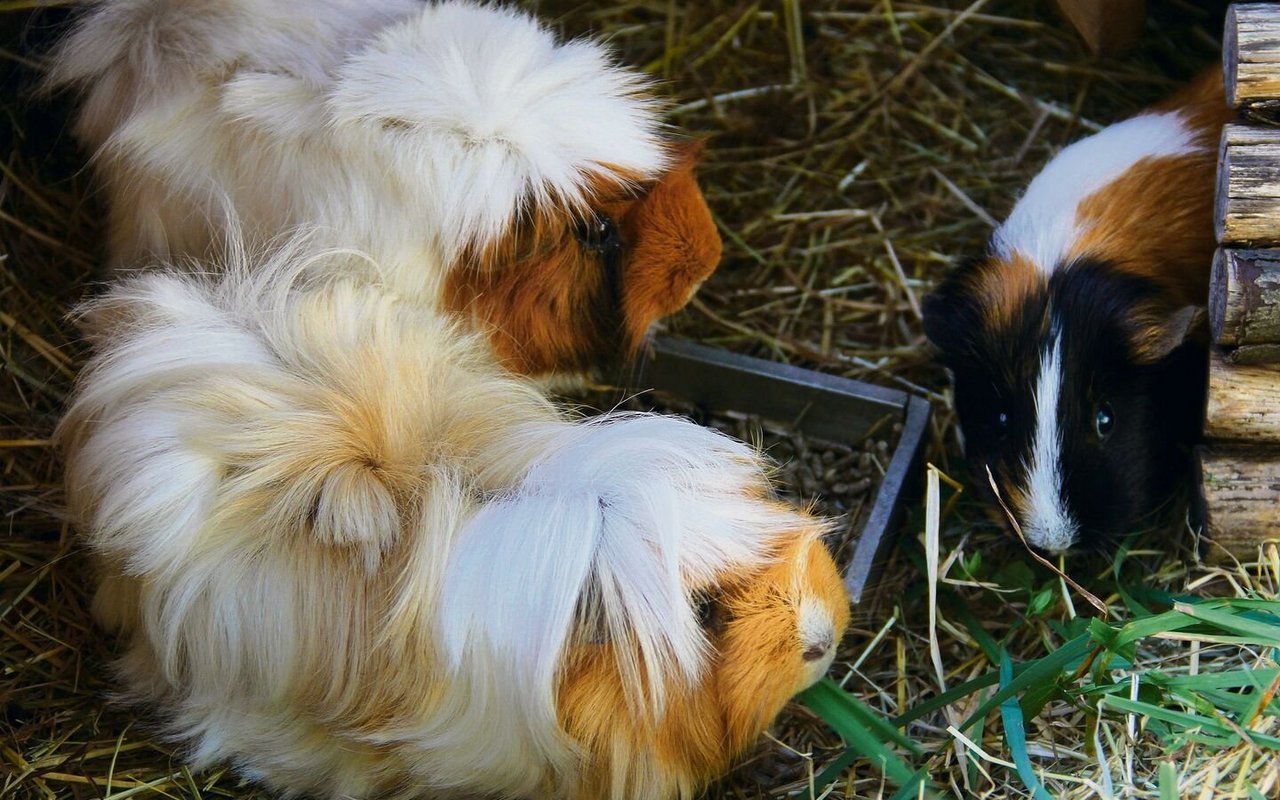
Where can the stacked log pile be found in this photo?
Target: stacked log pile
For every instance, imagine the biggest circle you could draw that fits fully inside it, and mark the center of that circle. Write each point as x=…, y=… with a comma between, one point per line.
x=1241, y=462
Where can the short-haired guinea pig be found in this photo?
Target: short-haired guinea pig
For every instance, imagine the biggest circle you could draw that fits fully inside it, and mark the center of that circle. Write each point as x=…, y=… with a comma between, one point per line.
x=1077, y=342
x=524, y=184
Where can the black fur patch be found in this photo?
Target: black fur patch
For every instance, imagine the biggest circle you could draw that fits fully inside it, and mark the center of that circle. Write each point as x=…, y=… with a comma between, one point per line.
x=1115, y=482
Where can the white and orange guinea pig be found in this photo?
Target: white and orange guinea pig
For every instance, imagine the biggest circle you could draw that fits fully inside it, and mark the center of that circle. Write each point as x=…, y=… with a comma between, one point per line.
x=347, y=546
x=1077, y=343
x=350, y=554
x=524, y=185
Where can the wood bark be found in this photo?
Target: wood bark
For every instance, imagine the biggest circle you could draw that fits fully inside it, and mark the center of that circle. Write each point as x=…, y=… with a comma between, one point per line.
x=1248, y=205
x=1254, y=354
x=1241, y=496
x=1251, y=53
x=1244, y=401
x=1107, y=26
x=1244, y=297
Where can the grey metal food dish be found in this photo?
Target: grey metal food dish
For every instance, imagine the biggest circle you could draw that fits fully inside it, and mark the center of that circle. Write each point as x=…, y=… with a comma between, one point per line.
x=820, y=405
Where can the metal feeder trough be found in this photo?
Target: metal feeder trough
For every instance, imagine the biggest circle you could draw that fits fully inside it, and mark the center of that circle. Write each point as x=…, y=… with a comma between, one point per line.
x=819, y=405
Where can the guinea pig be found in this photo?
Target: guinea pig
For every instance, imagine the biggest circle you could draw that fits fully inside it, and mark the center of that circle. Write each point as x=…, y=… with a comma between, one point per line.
x=524, y=185
x=1077, y=343
x=350, y=554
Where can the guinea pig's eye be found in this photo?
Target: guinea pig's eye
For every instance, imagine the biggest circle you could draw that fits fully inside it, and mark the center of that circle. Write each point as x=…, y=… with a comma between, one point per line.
x=1104, y=420
x=711, y=613
x=1002, y=422
x=598, y=232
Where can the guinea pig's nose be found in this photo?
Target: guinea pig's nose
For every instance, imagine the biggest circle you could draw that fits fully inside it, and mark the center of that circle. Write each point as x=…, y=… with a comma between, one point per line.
x=817, y=635
x=816, y=650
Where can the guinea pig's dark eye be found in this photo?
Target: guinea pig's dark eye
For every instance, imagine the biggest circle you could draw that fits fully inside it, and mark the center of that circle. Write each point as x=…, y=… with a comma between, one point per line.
x=711, y=613
x=598, y=232
x=1104, y=420
x=1002, y=422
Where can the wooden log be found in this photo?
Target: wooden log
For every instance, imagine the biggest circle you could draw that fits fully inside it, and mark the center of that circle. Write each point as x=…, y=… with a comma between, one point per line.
x=1251, y=53
x=1244, y=297
x=1248, y=205
x=1109, y=27
x=1244, y=401
x=1254, y=354
x=1241, y=496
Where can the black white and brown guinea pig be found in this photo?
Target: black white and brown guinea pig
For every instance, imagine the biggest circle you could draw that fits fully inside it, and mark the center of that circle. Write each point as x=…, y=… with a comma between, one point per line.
x=1077, y=342
x=347, y=546
x=526, y=185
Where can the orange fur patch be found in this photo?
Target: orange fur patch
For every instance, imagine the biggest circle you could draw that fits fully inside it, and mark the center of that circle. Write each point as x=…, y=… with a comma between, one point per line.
x=1204, y=103
x=1156, y=220
x=674, y=247
x=706, y=726
x=1004, y=287
x=546, y=299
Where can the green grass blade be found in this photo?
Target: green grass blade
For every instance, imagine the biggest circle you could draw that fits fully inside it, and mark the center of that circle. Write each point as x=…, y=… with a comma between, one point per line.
x=1037, y=673
x=835, y=705
x=947, y=698
x=1168, y=781
x=1264, y=633
x=1187, y=721
x=1015, y=733
x=1161, y=623
x=850, y=719
x=914, y=788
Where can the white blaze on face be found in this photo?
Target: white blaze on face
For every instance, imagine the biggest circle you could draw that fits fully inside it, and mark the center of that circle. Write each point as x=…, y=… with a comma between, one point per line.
x=1047, y=524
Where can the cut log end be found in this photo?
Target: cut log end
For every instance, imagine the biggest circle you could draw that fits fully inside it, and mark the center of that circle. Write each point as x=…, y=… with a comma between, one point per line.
x=1244, y=298
x=1243, y=401
x=1251, y=53
x=1247, y=210
x=1241, y=497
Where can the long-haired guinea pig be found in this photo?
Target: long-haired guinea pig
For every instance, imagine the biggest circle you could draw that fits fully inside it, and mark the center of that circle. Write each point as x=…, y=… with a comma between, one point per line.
x=523, y=184
x=349, y=553
x=1077, y=343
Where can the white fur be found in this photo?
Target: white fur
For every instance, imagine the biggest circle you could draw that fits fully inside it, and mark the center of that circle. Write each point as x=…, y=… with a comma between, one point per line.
x=1049, y=524
x=1043, y=225
x=410, y=131
x=309, y=497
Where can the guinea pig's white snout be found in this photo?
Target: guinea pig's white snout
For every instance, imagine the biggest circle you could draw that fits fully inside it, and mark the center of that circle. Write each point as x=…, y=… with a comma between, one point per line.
x=817, y=639
x=1052, y=536
x=1047, y=523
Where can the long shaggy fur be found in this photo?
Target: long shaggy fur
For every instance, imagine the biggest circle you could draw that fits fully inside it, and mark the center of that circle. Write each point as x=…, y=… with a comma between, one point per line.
x=458, y=144
x=350, y=554
x=370, y=119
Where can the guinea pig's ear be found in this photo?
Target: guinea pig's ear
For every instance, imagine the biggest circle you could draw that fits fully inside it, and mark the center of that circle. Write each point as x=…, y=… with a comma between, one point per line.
x=673, y=245
x=1153, y=337
x=948, y=311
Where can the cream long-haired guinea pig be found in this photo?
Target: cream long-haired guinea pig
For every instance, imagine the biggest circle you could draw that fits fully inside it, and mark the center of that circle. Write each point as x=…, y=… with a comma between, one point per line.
x=349, y=553
x=522, y=184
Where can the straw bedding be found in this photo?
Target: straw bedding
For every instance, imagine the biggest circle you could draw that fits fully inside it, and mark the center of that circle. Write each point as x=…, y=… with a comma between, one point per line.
x=857, y=147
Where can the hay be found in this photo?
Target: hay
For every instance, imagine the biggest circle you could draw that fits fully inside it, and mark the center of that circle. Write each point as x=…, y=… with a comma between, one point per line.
x=858, y=147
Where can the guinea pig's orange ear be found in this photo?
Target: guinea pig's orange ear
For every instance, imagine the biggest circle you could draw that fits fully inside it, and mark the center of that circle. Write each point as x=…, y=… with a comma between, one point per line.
x=1152, y=339
x=673, y=244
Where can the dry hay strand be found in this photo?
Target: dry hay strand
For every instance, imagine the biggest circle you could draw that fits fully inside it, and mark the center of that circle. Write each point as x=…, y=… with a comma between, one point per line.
x=858, y=147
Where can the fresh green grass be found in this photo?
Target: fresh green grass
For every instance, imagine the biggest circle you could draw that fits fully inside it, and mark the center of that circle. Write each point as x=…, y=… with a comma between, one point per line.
x=1162, y=679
